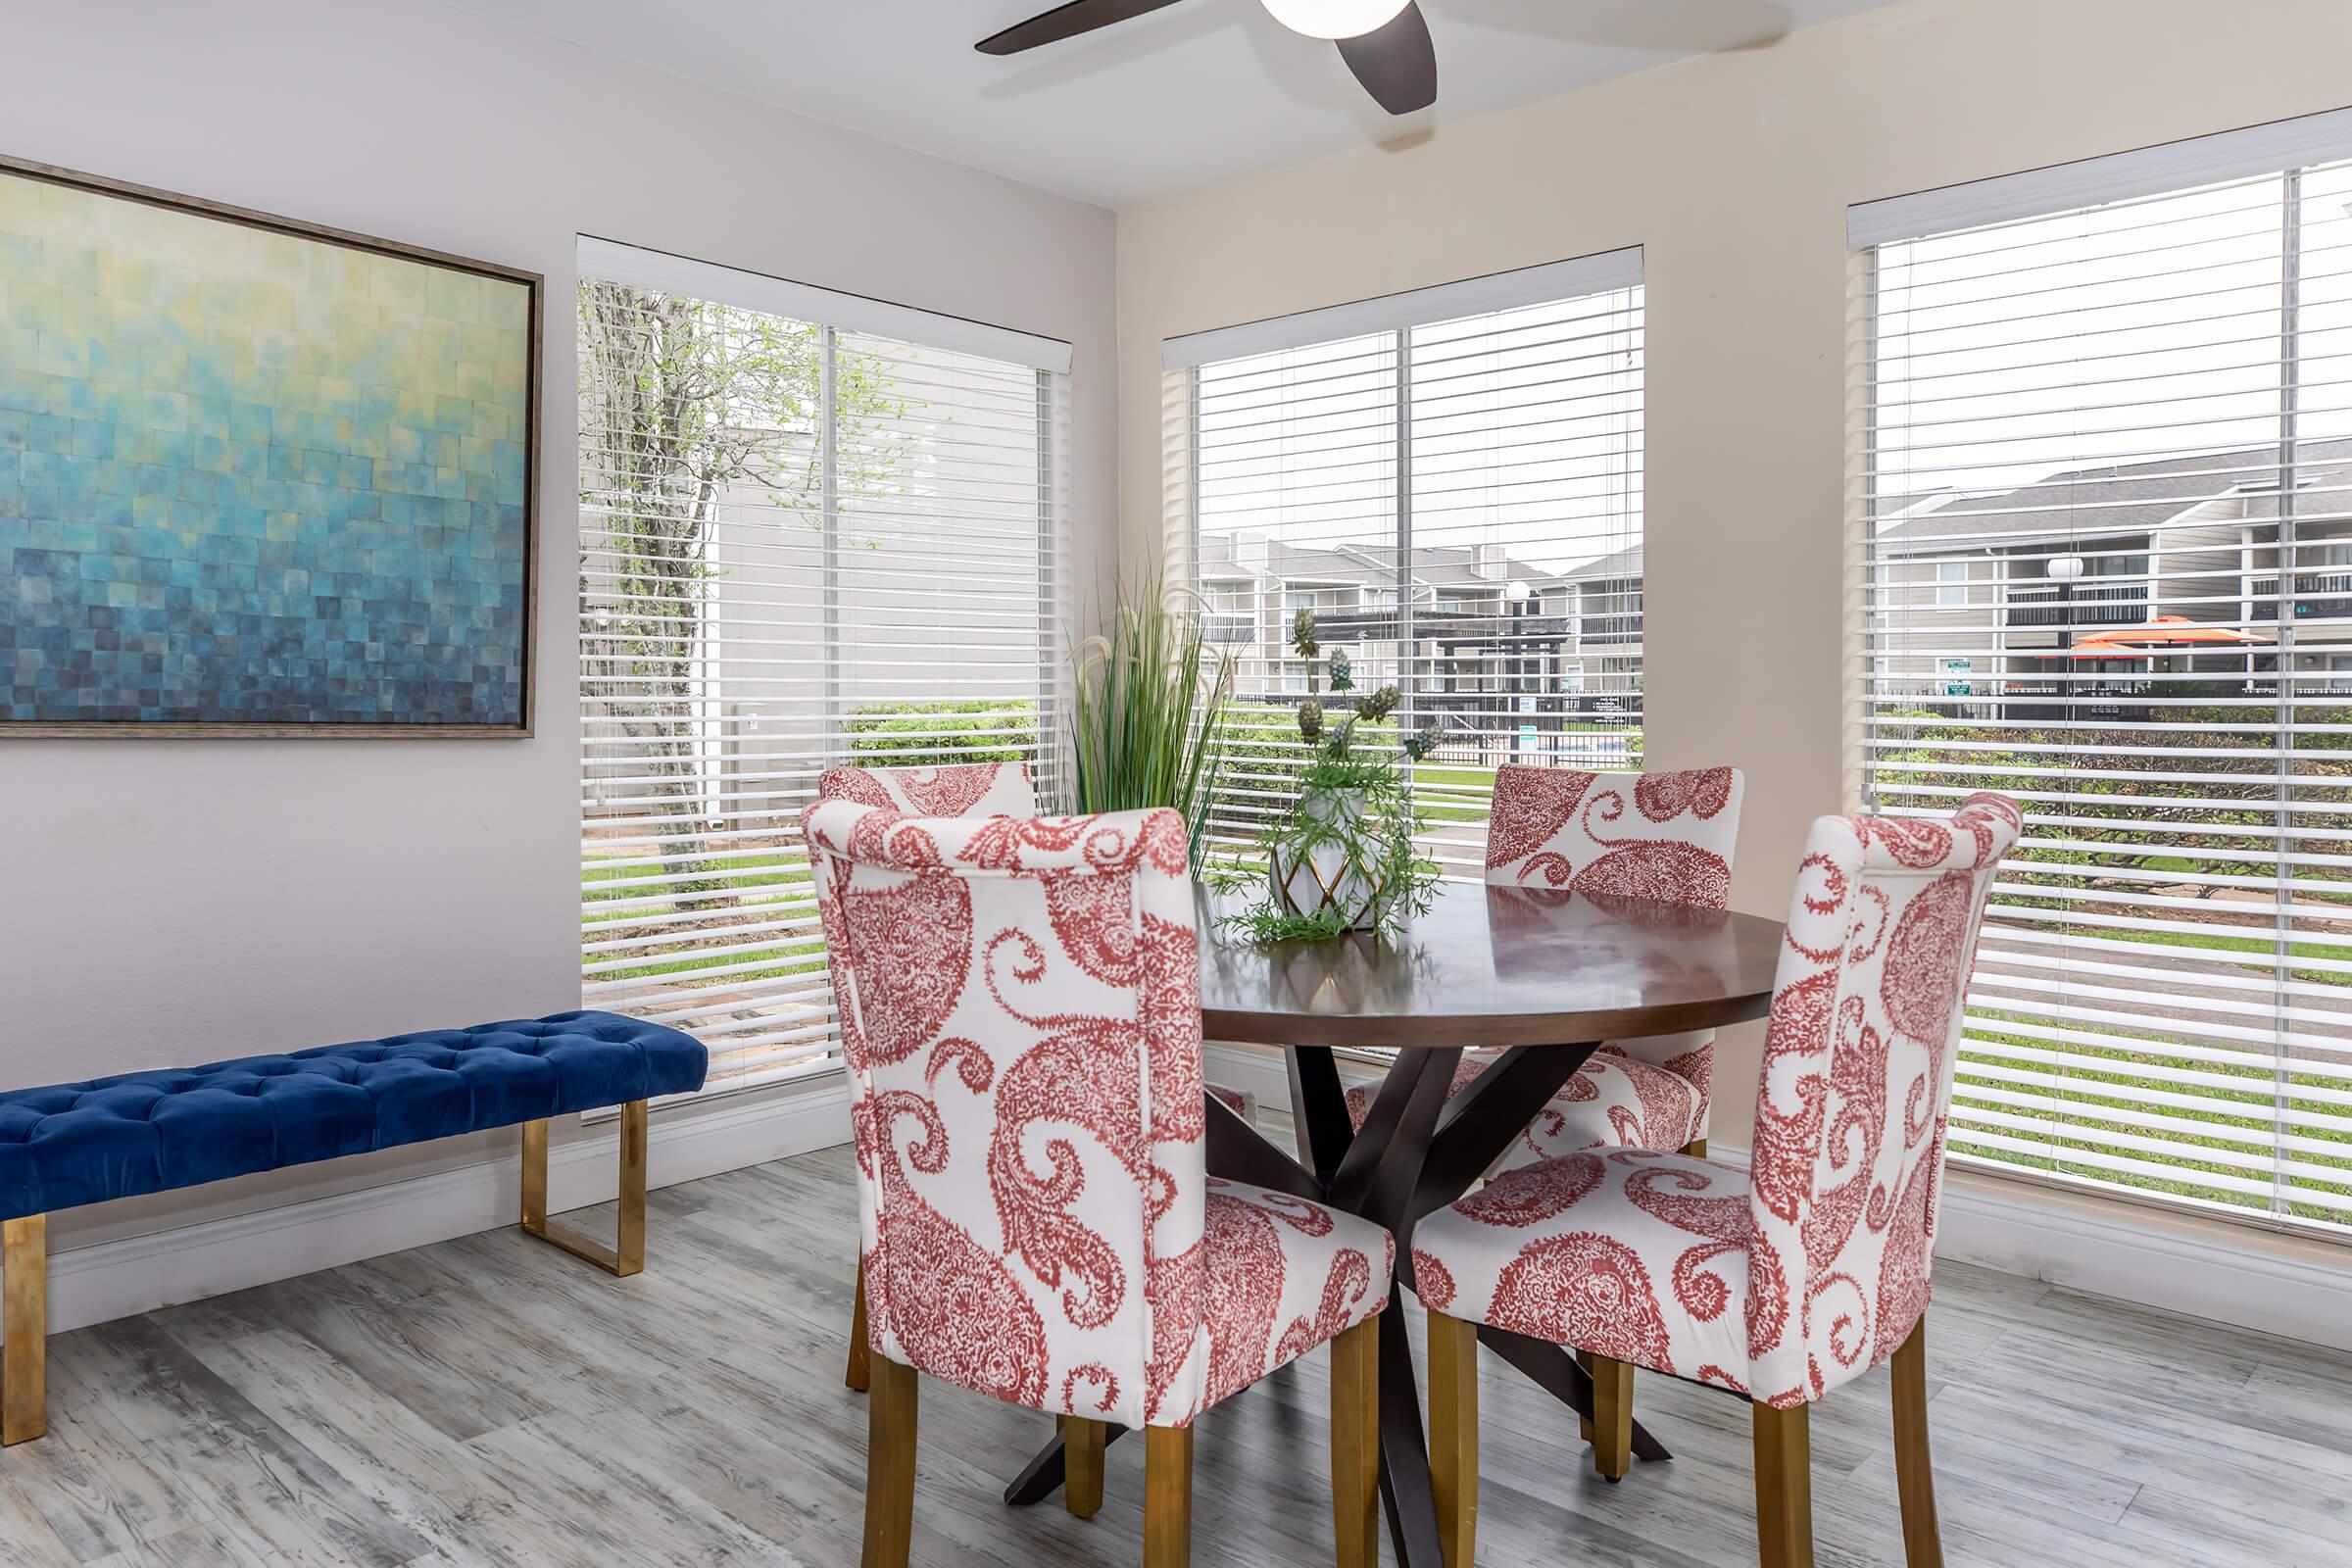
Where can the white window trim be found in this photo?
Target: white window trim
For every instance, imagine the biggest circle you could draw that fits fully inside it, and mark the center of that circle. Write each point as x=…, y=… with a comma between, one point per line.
x=761, y=1045
x=1420, y=307
x=2094, y=181
x=671, y=273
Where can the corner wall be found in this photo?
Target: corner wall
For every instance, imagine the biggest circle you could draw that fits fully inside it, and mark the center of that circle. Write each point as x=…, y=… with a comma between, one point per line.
x=169, y=901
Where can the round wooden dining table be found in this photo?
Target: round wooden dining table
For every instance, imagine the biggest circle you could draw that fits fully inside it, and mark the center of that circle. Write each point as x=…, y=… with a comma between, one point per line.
x=1547, y=976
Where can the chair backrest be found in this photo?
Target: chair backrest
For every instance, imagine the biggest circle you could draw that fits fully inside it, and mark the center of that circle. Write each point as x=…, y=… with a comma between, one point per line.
x=1848, y=1152
x=1019, y=1004
x=1664, y=836
x=959, y=789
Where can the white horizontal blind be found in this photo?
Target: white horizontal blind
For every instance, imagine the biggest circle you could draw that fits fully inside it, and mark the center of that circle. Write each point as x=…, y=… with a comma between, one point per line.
x=1460, y=501
x=2108, y=569
x=802, y=546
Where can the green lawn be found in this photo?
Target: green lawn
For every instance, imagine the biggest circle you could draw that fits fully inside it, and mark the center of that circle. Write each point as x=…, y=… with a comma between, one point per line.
x=2078, y=1096
x=750, y=887
x=2199, y=940
x=2074, y=1097
x=1436, y=786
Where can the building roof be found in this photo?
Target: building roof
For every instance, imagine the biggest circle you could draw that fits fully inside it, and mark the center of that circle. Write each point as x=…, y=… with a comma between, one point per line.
x=2104, y=500
x=1626, y=562
x=1434, y=565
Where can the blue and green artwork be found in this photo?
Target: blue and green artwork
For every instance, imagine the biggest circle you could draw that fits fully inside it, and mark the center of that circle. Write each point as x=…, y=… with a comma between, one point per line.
x=249, y=476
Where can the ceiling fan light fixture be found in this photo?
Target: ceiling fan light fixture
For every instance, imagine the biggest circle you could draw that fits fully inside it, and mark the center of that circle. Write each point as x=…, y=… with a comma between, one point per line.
x=1333, y=19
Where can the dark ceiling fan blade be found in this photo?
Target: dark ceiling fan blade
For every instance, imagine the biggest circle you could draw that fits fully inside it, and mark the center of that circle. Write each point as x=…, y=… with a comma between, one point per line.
x=1396, y=62
x=1066, y=22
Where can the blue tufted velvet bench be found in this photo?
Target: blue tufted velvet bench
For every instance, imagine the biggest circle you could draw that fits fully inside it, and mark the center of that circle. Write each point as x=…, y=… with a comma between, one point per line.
x=151, y=1131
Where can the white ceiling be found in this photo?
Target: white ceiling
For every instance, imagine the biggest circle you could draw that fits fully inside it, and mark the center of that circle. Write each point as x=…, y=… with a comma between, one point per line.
x=1196, y=93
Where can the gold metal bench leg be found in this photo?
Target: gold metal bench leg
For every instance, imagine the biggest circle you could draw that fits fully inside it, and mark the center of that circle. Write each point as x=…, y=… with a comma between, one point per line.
x=627, y=1257
x=24, y=1323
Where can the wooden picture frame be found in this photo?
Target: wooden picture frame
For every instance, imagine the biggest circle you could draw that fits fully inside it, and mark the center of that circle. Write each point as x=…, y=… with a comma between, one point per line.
x=328, y=476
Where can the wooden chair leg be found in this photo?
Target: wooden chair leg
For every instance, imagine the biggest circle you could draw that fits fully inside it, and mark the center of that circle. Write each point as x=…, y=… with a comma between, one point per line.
x=859, y=1373
x=1168, y=1497
x=25, y=1325
x=889, y=1421
x=1082, y=1446
x=1914, y=1474
x=1784, y=1486
x=1612, y=1417
x=1453, y=1436
x=1356, y=1443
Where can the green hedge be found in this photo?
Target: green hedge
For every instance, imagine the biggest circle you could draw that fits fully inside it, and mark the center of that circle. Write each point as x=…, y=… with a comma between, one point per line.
x=980, y=730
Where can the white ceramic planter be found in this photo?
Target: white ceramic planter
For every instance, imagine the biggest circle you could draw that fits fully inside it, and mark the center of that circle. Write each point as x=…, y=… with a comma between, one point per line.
x=1327, y=876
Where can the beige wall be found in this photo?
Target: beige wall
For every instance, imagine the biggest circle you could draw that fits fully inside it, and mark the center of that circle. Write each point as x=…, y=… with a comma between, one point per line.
x=1734, y=172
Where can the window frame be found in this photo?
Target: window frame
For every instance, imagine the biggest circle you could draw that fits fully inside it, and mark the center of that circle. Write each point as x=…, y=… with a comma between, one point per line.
x=956, y=374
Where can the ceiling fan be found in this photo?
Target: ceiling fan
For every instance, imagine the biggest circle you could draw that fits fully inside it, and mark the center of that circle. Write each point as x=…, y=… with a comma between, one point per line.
x=1385, y=42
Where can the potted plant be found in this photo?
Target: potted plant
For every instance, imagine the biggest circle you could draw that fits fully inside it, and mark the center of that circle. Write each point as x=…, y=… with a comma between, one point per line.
x=1147, y=711
x=1344, y=858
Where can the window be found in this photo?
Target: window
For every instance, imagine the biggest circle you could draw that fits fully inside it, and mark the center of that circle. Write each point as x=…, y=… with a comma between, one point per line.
x=814, y=530
x=2115, y=395
x=1951, y=585
x=1452, y=479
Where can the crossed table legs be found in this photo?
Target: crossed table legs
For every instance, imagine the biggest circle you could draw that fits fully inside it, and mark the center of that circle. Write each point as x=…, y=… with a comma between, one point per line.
x=1418, y=1151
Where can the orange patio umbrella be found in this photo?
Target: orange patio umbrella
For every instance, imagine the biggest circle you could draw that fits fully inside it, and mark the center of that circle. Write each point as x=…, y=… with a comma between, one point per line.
x=2170, y=631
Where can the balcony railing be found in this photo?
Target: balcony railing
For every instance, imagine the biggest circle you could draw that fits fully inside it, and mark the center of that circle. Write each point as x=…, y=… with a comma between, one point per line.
x=2099, y=604
x=2318, y=595
x=1224, y=626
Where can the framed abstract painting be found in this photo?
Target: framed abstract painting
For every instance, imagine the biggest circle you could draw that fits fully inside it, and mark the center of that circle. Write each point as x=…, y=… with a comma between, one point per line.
x=257, y=477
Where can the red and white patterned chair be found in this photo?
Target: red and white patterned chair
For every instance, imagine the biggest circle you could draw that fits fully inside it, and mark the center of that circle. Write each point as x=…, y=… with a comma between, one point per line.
x=1019, y=1004
x=957, y=788
x=1782, y=1282
x=1664, y=836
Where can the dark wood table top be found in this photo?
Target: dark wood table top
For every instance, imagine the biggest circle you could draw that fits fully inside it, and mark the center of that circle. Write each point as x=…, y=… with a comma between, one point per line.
x=1493, y=967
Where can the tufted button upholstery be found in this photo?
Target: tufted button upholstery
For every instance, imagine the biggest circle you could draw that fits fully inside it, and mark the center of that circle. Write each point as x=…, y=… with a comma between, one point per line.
x=151, y=1131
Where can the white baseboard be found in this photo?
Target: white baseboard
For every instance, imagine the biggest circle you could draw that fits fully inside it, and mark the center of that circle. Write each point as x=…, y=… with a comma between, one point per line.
x=141, y=1273
x=1265, y=1072
x=1255, y=1071
x=2243, y=1278
x=2205, y=1270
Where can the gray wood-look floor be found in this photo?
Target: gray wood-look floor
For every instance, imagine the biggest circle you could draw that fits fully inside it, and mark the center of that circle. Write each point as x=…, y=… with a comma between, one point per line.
x=493, y=1402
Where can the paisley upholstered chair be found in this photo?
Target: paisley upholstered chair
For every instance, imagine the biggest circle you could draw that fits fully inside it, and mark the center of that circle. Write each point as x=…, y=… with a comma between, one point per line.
x=1664, y=836
x=1782, y=1282
x=957, y=789
x=1020, y=1011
